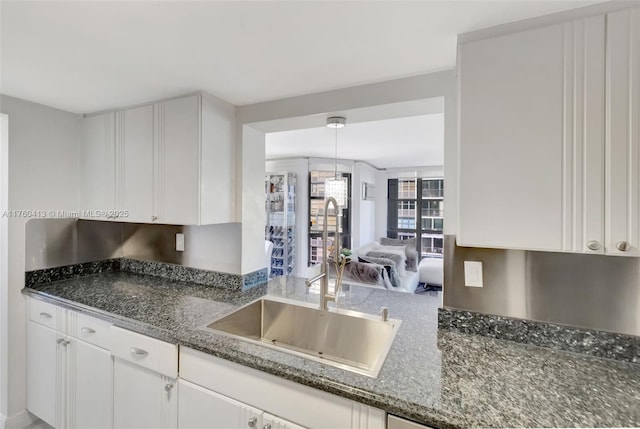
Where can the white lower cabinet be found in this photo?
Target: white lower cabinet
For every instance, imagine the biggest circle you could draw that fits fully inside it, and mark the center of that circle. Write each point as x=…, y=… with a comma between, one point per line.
x=273, y=422
x=215, y=393
x=201, y=408
x=83, y=373
x=144, y=381
x=68, y=379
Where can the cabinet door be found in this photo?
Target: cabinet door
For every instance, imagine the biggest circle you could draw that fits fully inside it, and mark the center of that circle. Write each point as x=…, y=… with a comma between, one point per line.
x=143, y=399
x=97, y=139
x=45, y=371
x=90, y=398
x=135, y=163
x=201, y=408
x=178, y=160
x=273, y=422
x=529, y=121
x=623, y=133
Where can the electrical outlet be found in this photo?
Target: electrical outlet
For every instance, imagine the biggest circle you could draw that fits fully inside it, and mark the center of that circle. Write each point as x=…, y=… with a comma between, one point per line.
x=180, y=242
x=473, y=273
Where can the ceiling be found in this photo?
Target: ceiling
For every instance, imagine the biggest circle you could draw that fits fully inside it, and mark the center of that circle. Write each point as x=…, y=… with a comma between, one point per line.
x=414, y=141
x=86, y=56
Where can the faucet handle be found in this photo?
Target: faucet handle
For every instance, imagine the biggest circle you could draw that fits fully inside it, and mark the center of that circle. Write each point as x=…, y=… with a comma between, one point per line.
x=384, y=312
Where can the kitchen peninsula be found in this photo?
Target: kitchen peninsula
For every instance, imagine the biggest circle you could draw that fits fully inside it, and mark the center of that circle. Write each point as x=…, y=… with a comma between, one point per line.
x=441, y=378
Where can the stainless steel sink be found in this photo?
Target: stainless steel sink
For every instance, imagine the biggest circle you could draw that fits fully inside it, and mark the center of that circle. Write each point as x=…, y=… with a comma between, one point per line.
x=349, y=340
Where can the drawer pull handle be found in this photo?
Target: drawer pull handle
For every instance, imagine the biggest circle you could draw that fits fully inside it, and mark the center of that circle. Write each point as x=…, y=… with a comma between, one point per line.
x=623, y=246
x=593, y=245
x=45, y=315
x=138, y=352
x=252, y=421
x=86, y=330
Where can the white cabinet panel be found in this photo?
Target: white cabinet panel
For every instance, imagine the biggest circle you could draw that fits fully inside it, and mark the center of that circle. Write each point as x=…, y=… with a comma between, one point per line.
x=201, y=408
x=288, y=400
x=135, y=163
x=90, y=398
x=531, y=127
x=171, y=162
x=143, y=399
x=510, y=165
x=44, y=373
x=273, y=422
x=147, y=352
x=623, y=133
x=98, y=159
x=69, y=382
x=178, y=149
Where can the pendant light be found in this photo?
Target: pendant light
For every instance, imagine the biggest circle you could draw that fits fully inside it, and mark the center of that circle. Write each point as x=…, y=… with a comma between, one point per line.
x=337, y=187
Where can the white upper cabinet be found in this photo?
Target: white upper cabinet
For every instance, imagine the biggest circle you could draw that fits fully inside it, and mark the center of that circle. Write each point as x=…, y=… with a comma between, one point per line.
x=623, y=133
x=98, y=160
x=134, y=169
x=171, y=162
x=548, y=137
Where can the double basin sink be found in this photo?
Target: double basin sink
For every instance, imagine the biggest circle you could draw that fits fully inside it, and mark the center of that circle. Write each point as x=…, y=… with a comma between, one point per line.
x=350, y=340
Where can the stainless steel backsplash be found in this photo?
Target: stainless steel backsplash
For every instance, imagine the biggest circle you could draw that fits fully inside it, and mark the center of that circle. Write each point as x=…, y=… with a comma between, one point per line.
x=590, y=291
x=57, y=242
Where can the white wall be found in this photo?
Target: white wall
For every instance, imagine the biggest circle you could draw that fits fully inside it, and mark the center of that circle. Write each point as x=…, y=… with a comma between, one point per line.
x=43, y=175
x=252, y=200
x=364, y=212
x=381, y=205
x=394, y=91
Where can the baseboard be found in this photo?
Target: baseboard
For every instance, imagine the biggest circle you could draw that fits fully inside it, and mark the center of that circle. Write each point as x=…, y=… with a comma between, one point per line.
x=18, y=421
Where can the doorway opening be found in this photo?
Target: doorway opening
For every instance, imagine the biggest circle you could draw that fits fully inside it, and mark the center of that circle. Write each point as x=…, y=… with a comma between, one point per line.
x=380, y=147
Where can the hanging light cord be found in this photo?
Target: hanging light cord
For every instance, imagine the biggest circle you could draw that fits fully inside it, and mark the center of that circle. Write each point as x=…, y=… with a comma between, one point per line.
x=336, y=167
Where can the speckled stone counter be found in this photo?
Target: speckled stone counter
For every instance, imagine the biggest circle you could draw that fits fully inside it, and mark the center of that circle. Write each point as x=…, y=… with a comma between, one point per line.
x=442, y=379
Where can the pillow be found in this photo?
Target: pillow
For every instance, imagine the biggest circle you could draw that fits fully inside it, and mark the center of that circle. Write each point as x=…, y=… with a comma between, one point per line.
x=389, y=266
x=410, y=250
x=364, y=272
x=396, y=255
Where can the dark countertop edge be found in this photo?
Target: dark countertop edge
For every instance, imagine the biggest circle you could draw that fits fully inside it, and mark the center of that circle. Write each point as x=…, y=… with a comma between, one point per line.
x=418, y=413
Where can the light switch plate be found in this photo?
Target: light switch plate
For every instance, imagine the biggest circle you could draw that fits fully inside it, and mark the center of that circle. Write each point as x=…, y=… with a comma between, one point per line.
x=473, y=273
x=180, y=242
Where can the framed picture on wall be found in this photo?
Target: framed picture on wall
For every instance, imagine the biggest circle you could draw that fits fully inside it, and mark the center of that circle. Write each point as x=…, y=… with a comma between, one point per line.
x=368, y=191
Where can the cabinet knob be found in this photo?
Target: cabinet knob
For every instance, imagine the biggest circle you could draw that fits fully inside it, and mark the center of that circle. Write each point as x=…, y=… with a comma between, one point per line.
x=623, y=246
x=65, y=343
x=267, y=426
x=154, y=218
x=138, y=352
x=168, y=387
x=593, y=245
x=252, y=421
x=59, y=340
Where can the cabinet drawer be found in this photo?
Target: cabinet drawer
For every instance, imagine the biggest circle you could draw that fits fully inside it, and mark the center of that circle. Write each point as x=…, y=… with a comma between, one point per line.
x=145, y=351
x=91, y=330
x=44, y=313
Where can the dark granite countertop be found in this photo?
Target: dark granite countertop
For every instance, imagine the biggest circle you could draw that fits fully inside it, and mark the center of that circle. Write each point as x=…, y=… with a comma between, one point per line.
x=442, y=379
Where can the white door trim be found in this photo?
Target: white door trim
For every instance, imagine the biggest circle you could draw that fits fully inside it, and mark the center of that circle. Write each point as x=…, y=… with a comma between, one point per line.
x=4, y=267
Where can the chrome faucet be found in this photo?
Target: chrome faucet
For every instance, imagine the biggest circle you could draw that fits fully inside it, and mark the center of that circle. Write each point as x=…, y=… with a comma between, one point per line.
x=325, y=296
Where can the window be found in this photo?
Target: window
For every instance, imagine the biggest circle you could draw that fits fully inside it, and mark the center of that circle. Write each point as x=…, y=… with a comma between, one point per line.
x=417, y=215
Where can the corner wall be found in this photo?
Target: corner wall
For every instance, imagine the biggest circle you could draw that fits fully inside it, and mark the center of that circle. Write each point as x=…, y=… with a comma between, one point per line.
x=43, y=175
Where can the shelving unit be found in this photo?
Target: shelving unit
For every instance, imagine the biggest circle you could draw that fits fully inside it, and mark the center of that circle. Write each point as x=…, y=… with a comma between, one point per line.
x=280, y=203
x=316, y=215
